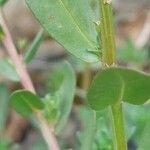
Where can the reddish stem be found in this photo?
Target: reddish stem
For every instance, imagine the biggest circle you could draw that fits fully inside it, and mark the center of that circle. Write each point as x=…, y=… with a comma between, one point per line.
x=26, y=83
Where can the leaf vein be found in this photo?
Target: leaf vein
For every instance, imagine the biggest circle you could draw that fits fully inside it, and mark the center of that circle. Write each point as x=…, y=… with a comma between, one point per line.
x=76, y=24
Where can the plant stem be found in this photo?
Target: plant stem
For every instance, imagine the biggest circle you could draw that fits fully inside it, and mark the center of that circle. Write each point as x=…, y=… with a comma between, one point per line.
x=26, y=82
x=118, y=123
x=107, y=33
x=108, y=58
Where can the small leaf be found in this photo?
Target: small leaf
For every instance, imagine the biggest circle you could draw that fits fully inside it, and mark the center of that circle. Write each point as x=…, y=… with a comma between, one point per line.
x=70, y=23
x=51, y=111
x=25, y=102
x=115, y=84
x=8, y=70
x=63, y=83
x=4, y=98
x=31, y=51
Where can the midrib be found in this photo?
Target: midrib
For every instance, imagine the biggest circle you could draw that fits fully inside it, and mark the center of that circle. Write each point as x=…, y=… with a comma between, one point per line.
x=76, y=24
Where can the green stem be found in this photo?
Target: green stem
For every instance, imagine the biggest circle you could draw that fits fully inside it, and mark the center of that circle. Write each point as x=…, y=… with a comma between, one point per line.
x=118, y=127
x=107, y=33
x=108, y=58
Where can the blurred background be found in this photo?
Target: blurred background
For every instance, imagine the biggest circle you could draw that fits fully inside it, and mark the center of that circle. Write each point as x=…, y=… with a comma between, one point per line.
x=132, y=26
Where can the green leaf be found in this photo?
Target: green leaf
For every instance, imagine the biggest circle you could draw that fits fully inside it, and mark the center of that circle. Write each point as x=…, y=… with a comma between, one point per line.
x=2, y=2
x=4, y=98
x=4, y=144
x=88, y=135
x=31, y=51
x=8, y=70
x=63, y=81
x=70, y=23
x=96, y=133
x=25, y=102
x=136, y=118
x=137, y=86
x=115, y=84
x=2, y=35
x=38, y=144
x=129, y=53
x=144, y=142
x=105, y=89
x=51, y=111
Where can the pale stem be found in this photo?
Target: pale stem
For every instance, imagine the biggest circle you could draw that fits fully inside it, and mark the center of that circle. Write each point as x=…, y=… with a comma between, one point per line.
x=26, y=82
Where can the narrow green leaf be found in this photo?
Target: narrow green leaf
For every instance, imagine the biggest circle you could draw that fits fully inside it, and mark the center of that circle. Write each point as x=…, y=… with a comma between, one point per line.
x=25, y=102
x=4, y=98
x=115, y=84
x=31, y=51
x=8, y=70
x=63, y=83
x=70, y=23
x=88, y=135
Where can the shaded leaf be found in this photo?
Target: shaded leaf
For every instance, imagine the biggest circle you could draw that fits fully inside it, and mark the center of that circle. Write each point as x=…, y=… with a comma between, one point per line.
x=4, y=98
x=97, y=130
x=51, y=111
x=70, y=23
x=2, y=2
x=144, y=142
x=136, y=117
x=137, y=86
x=4, y=144
x=31, y=51
x=129, y=53
x=25, y=102
x=105, y=89
x=38, y=144
x=63, y=81
x=115, y=84
x=8, y=70
x=88, y=135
